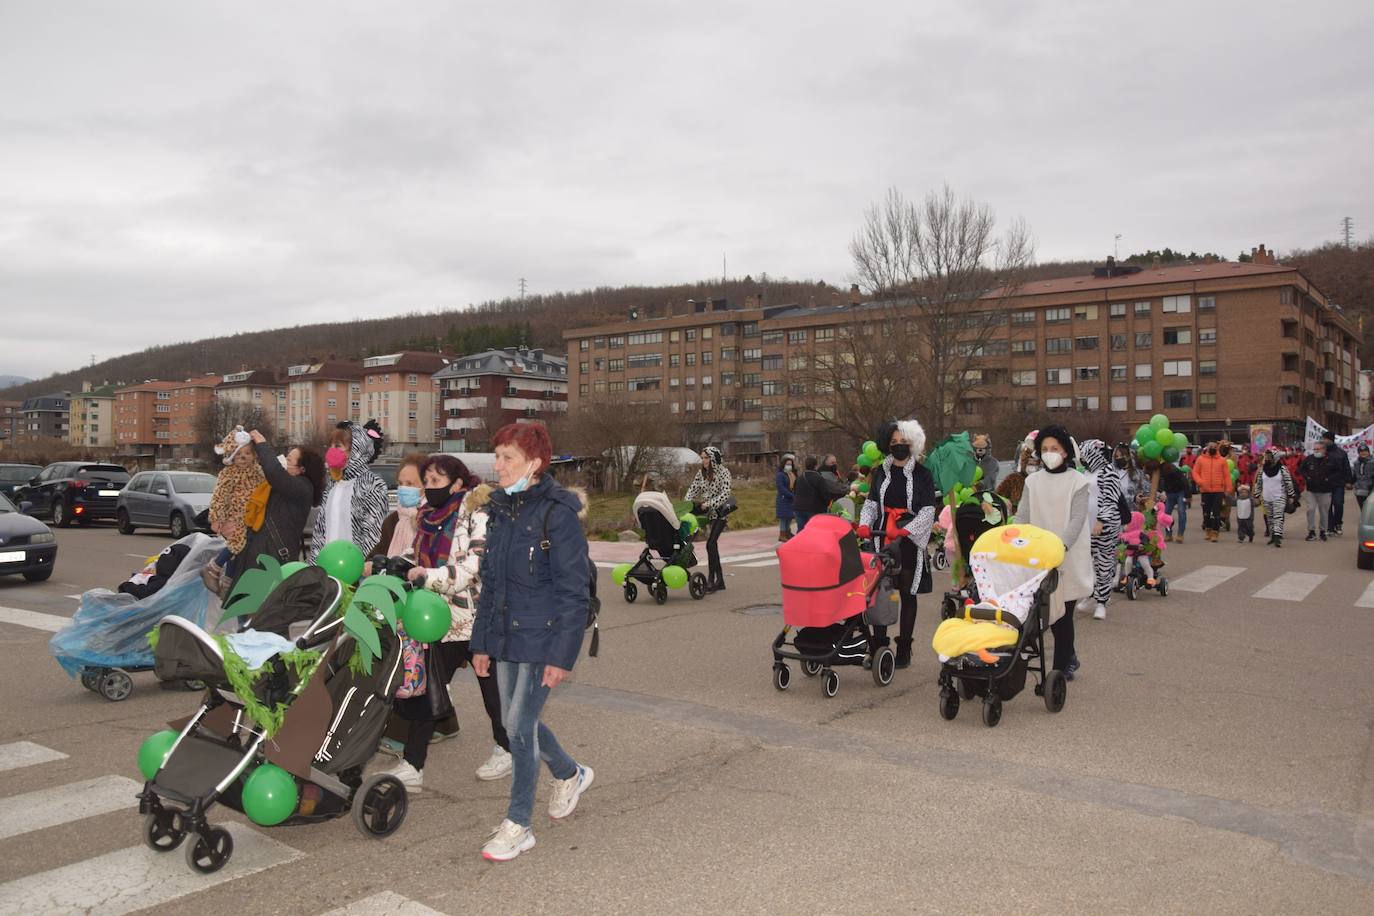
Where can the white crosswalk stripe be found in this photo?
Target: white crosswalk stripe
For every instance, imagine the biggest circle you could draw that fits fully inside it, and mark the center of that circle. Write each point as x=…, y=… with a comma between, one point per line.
x=1291, y=586
x=26, y=754
x=32, y=619
x=759, y=564
x=745, y=557
x=1367, y=598
x=135, y=878
x=1204, y=578
x=20, y=814
x=386, y=903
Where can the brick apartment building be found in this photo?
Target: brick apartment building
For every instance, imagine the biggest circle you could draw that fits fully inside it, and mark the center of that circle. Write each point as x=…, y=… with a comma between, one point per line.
x=11, y=419
x=159, y=419
x=484, y=391
x=45, y=417
x=400, y=392
x=318, y=396
x=260, y=389
x=1215, y=346
x=91, y=414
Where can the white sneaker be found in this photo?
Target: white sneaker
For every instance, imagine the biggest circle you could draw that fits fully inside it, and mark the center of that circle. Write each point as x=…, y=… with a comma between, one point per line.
x=1100, y=613
x=507, y=841
x=410, y=777
x=566, y=792
x=497, y=765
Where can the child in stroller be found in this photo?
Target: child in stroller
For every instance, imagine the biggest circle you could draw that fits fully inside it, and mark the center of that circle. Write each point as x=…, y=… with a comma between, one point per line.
x=987, y=643
x=667, y=542
x=833, y=595
x=334, y=712
x=1140, y=553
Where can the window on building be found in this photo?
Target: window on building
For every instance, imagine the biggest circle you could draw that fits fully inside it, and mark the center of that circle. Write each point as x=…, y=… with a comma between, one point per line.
x=674, y=336
x=599, y=343
x=647, y=383
x=752, y=354
x=582, y=389
x=1085, y=312
x=1087, y=373
x=617, y=342
x=1059, y=403
x=1142, y=308
x=690, y=381
x=691, y=359
x=751, y=404
x=1118, y=341
x=1207, y=367
x=1180, y=367
x=584, y=344
x=1144, y=402
x=772, y=338
x=796, y=363
x=1143, y=340
x=1206, y=336
x=796, y=389
x=674, y=407
x=707, y=358
x=1059, y=345
x=1118, y=403
x=706, y=381
x=1057, y=314
x=1144, y=370
x=1118, y=373
x=1023, y=377
x=1177, y=305
x=1286, y=295
x=772, y=388
x=823, y=334
x=727, y=379
x=1206, y=303
x=1178, y=335
x=751, y=380
x=1178, y=398
x=644, y=360
x=689, y=335
x=674, y=360
x=599, y=386
x=749, y=329
x=1086, y=343
x=727, y=330
x=797, y=337
x=674, y=382
x=583, y=366
x=599, y=362
x=1087, y=402
x=1023, y=346
x=1117, y=310
x=1057, y=376
x=705, y=335
x=727, y=354
x=706, y=405
x=1024, y=316
x=1207, y=400
x=331, y=402
x=617, y=365
x=412, y=379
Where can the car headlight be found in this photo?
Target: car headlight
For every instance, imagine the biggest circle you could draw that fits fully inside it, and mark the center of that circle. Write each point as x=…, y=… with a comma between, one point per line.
x=47, y=537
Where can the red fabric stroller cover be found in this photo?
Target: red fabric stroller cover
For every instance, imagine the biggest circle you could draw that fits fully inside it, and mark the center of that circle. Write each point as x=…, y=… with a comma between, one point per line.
x=823, y=574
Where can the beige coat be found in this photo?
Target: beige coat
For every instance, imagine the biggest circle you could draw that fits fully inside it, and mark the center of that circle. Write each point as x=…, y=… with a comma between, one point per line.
x=1046, y=503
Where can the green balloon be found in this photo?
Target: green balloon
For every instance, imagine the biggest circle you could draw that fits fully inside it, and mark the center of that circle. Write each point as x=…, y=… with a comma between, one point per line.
x=870, y=448
x=674, y=576
x=1159, y=421
x=1235, y=475
x=342, y=560
x=1165, y=437
x=863, y=487
x=1144, y=434
x=693, y=523
x=1151, y=449
x=1170, y=454
x=152, y=753
x=269, y=795
x=619, y=573
x=1180, y=441
x=290, y=569
x=864, y=461
x=426, y=616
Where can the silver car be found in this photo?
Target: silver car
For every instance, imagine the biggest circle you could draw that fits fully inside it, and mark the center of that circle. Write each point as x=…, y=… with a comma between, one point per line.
x=164, y=499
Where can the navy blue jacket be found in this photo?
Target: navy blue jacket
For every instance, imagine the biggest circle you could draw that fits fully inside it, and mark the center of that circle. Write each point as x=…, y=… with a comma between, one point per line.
x=533, y=606
x=782, y=503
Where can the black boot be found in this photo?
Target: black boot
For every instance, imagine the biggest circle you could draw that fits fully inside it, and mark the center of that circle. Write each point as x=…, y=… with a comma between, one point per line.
x=903, y=653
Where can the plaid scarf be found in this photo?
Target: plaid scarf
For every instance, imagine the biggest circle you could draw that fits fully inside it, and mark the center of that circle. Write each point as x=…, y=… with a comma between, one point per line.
x=434, y=535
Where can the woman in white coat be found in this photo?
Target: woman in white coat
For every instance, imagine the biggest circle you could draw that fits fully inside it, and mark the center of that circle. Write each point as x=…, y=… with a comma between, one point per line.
x=1057, y=499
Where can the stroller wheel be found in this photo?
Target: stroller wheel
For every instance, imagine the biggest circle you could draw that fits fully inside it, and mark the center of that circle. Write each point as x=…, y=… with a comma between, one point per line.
x=884, y=664
x=90, y=678
x=162, y=830
x=1163, y=587
x=696, y=585
x=992, y=711
x=116, y=685
x=940, y=560
x=659, y=589
x=949, y=704
x=831, y=683
x=380, y=805
x=631, y=591
x=210, y=850
x=1056, y=691
x=782, y=676
x=811, y=669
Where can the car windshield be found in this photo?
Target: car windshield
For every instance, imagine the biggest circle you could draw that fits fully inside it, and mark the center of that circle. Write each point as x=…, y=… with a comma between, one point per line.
x=6, y=505
x=193, y=483
x=18, y=472
x=111, y=472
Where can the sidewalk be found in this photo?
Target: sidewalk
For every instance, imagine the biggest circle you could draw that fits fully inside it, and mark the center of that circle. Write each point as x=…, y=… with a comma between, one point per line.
x=757, y=544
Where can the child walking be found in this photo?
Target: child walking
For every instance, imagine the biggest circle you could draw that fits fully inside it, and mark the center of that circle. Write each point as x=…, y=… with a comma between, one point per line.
x=1245, y=515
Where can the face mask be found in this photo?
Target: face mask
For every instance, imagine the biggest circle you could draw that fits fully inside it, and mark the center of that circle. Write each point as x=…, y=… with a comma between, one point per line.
x=408, y=497
x=522, y=484
x=1211, y=451
x=435, y=496
x=1120, y=462
x=335, y=457
x=787, y=467
x=281, y=460
x=900, y=452
x=1051, y=460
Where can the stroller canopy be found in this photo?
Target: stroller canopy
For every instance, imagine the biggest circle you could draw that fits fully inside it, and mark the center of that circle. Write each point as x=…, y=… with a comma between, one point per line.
x=822, y=573
x=302, y=596
x=1010, y=562
x=660, y=523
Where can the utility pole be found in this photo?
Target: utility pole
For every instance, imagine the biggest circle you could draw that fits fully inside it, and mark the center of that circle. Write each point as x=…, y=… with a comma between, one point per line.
x=1347, y=229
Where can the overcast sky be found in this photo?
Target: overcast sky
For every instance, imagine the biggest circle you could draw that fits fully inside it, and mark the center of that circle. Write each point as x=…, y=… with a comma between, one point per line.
x=177, y=169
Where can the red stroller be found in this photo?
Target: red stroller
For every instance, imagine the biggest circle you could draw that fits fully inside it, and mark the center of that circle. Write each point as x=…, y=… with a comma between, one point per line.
x=832, y=596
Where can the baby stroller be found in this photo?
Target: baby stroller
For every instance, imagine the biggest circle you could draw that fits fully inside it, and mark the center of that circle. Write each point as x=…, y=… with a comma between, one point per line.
x=333, y=720
x=666, y=543
x=833, y=595
x=107, y=640
x=992, y=634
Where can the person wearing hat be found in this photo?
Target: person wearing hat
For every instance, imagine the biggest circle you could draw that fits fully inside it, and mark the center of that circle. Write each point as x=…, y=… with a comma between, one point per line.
x=1363, y=474
x=710, y=490
x=1058, y=500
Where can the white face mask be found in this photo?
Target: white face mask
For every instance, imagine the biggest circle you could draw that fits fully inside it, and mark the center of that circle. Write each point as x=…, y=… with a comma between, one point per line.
x=1051, y=460
x=523, y=483
x=281, y=459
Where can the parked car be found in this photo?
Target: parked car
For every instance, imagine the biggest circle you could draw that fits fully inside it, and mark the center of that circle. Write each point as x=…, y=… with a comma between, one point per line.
x=27, y=547
x=164, y=499
x=74, y=491
x=14, y=476
x=1364, y=545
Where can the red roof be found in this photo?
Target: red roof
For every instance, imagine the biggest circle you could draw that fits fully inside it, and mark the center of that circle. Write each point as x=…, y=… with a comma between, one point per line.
x=1219, y=270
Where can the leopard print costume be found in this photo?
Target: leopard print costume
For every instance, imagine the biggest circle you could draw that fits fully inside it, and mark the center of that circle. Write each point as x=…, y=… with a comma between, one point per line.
x=233, y=487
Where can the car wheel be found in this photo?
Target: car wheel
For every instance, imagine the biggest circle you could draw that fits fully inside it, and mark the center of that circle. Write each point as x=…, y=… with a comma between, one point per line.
x=1364, y=559
x=122, y=519
x=39, y=575
x=178, y=526
x=59, y=514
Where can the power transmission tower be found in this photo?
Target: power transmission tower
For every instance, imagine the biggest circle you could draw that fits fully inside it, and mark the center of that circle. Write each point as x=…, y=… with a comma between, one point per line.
x=1347, y=229
x=522, y=289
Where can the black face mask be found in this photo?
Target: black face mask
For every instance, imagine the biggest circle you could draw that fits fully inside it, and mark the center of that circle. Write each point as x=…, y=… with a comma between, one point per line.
x=1211, y=451
x=437, y=497
x=833, y=468
x=1120, y=462
x=900, y=452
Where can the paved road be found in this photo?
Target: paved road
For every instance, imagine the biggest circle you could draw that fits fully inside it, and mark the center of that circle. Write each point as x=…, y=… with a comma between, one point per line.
x=1215, y=756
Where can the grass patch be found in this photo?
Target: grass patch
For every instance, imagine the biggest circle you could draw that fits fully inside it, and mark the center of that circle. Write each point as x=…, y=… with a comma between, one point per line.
x=609, y=514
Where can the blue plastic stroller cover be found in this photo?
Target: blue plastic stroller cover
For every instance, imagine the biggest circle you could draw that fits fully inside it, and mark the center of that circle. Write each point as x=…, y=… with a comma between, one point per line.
x=110, y=629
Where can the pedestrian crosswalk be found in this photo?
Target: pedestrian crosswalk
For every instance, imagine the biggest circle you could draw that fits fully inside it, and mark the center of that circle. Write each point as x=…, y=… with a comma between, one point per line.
x=134, y=877
x=1265, y=584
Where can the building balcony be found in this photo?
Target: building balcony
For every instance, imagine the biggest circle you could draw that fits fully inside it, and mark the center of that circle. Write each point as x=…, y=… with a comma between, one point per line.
x=1328, y=376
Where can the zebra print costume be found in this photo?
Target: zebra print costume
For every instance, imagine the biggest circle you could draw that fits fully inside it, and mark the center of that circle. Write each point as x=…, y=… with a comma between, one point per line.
x=369, y=509
x=1096, y=459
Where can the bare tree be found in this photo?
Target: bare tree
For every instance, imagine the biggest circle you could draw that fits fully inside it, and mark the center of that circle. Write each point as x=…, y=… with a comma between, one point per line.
x=631, y=439
x=942, y=276
x=217, y=418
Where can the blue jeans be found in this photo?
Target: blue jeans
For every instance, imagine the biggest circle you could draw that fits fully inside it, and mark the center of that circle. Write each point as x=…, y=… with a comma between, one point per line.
x=1176, y=504
x=522, y=700
x=802, y=519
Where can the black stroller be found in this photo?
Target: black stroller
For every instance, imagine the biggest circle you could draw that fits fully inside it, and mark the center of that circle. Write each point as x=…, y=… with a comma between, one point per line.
x=333, y=721
x=665, y=544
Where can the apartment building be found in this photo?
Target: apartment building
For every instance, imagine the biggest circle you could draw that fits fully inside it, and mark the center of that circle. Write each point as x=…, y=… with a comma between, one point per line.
x=484, y=391
x=143, y=419
x=254, y=389
x=190, y=400
x=401, y=393
x=1215, y=346
x=319, y=396
x=11, y=421
x=45, y=417
x=91, y=417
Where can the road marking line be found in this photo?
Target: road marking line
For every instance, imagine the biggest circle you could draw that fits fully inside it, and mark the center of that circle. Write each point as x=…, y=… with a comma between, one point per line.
x=1291, y=586
x=386, y=903
x=20, y=814
x=76, y=597
x=26, y=754
x=760, y=563
x=136, y=878
x=1367, y=599
x=749, y=556
x=606, y=564
x=1205, y=578
x=32, y=619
